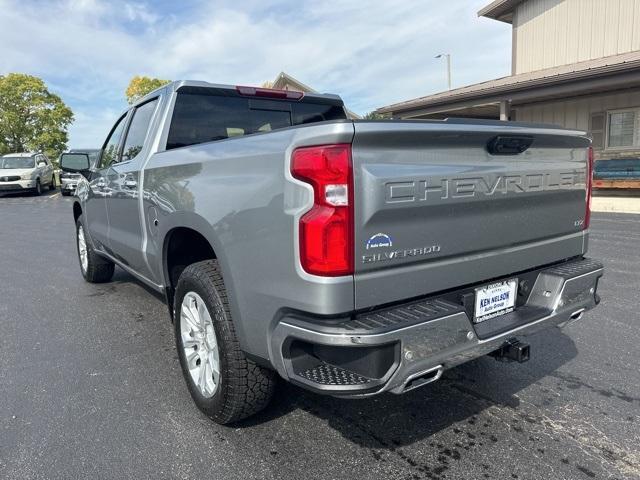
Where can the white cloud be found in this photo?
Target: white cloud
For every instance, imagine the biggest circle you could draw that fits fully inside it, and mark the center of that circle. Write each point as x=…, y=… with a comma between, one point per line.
x=85, y=7
x=372, y=53
x=139, y=11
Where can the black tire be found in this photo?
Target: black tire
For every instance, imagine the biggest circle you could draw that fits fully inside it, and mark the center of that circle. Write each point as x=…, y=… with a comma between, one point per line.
x=38, y=190
x=52, y=186
x=98, y=269
x=244, y=388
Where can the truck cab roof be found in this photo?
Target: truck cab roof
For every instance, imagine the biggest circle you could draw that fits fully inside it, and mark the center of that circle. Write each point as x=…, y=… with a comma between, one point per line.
x=180, y=84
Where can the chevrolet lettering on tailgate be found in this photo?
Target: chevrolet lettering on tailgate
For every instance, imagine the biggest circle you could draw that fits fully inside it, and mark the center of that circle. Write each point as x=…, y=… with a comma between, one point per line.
x=445, y=188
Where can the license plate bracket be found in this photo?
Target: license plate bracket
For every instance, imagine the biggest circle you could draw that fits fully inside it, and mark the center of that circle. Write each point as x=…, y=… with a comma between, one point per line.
x=495, y=299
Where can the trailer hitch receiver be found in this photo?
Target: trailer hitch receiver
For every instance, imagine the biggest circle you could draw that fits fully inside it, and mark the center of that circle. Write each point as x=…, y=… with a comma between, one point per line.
x=512, y=351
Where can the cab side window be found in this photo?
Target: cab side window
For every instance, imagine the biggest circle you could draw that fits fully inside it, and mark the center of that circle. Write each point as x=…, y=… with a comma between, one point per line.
x=138, y=129
x=110, y=152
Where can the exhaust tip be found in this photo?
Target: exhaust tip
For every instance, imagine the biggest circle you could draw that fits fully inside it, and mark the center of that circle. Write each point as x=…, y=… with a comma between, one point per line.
x=574, y=317
x=422, y=378
x=577, y=315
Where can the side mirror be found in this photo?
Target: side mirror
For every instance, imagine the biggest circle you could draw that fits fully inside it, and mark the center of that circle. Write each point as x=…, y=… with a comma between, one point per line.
x=42, y=164
x=75, y=162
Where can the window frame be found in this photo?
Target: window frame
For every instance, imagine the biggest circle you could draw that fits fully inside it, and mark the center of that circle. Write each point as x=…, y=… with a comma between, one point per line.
x=636, y=130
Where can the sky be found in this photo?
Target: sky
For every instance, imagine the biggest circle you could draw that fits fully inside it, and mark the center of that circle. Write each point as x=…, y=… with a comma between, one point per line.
x=372, y=53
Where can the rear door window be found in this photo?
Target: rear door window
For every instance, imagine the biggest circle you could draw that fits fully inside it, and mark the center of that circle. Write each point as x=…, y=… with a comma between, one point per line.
x=203, y=117
x=110, y=152
x=138, y=129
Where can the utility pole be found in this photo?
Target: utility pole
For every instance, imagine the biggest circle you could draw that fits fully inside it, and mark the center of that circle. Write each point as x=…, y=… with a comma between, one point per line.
x=448, y=56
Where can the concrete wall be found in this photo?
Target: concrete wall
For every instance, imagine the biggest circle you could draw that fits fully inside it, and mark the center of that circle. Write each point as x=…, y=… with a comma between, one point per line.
x=577, y=112
x=549, y=33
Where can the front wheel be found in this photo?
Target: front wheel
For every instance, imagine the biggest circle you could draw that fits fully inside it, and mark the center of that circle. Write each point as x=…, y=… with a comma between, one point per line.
x=38, y=190
x=94, y=268
x=223, y=382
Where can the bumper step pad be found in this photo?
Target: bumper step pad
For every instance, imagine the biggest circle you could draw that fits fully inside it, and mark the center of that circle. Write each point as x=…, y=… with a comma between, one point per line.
x=400, y=316
x=325, y=374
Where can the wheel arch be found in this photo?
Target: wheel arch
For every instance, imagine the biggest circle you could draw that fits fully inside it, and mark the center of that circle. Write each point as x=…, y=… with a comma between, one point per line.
x=187, y=229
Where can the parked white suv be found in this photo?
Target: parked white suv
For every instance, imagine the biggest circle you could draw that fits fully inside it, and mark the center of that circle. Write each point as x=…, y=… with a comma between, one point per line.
x=26, y=172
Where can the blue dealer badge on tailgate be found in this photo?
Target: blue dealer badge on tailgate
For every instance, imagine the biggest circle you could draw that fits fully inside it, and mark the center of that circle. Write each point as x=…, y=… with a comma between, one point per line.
x=379, y=240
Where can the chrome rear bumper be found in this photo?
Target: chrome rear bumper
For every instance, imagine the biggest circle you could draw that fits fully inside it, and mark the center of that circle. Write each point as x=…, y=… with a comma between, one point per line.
x=401, y=347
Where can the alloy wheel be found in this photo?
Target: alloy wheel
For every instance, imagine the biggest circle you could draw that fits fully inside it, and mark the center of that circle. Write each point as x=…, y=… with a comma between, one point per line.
x=82, y=249
x=200, y=344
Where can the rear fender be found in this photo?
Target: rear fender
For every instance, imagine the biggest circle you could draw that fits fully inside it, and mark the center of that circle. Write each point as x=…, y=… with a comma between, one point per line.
x=197, y=223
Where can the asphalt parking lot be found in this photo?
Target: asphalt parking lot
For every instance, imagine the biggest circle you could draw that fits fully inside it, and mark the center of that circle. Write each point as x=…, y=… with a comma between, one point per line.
x=90, y=386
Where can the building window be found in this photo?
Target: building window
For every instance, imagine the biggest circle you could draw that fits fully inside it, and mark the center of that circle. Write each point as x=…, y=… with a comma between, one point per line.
x=623, y=129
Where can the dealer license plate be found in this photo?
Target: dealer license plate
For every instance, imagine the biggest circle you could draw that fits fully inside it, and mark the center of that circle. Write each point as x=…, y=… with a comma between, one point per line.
x=495, y=300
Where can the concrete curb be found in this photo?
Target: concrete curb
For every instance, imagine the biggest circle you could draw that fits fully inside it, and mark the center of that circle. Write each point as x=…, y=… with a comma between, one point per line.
x=616, y=204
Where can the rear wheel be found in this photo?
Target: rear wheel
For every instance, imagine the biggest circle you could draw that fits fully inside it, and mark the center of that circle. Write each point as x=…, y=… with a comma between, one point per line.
x=223, y=382
x=52, y=186
x=94, y=268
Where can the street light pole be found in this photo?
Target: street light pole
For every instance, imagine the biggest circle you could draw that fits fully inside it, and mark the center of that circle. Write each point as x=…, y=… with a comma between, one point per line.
x=448, y=56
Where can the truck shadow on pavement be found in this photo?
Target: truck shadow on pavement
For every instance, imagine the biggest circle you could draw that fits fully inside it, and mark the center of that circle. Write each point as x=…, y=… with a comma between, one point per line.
x=391, y=421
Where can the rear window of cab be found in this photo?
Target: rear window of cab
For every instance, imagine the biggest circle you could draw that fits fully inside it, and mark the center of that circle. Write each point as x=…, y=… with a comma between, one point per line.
x=200, y=117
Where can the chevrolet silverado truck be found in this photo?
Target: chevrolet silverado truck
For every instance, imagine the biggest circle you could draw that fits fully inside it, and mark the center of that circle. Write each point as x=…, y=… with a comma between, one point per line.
x=348, y=257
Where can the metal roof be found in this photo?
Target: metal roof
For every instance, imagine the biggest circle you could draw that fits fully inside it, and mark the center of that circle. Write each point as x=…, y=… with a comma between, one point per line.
x=623, y=63
x=283, y=78
x=501, y=10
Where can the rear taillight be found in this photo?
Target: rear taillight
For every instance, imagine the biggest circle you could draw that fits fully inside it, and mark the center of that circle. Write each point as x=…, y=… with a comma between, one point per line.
x=326, y=230
x=587, y=214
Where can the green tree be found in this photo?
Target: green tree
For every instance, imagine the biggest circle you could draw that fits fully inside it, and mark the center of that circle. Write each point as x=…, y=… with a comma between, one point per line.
x=31, y=117
x=140, y=86
x=374, y=116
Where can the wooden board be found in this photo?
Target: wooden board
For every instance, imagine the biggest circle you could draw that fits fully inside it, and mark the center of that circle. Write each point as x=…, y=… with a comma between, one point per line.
x=616, y=184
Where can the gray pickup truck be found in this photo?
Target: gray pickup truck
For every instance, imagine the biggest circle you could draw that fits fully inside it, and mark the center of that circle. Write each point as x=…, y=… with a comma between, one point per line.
x=348, y=257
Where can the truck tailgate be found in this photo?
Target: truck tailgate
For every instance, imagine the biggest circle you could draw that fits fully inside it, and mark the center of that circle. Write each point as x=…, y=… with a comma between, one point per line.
x=435, y=209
